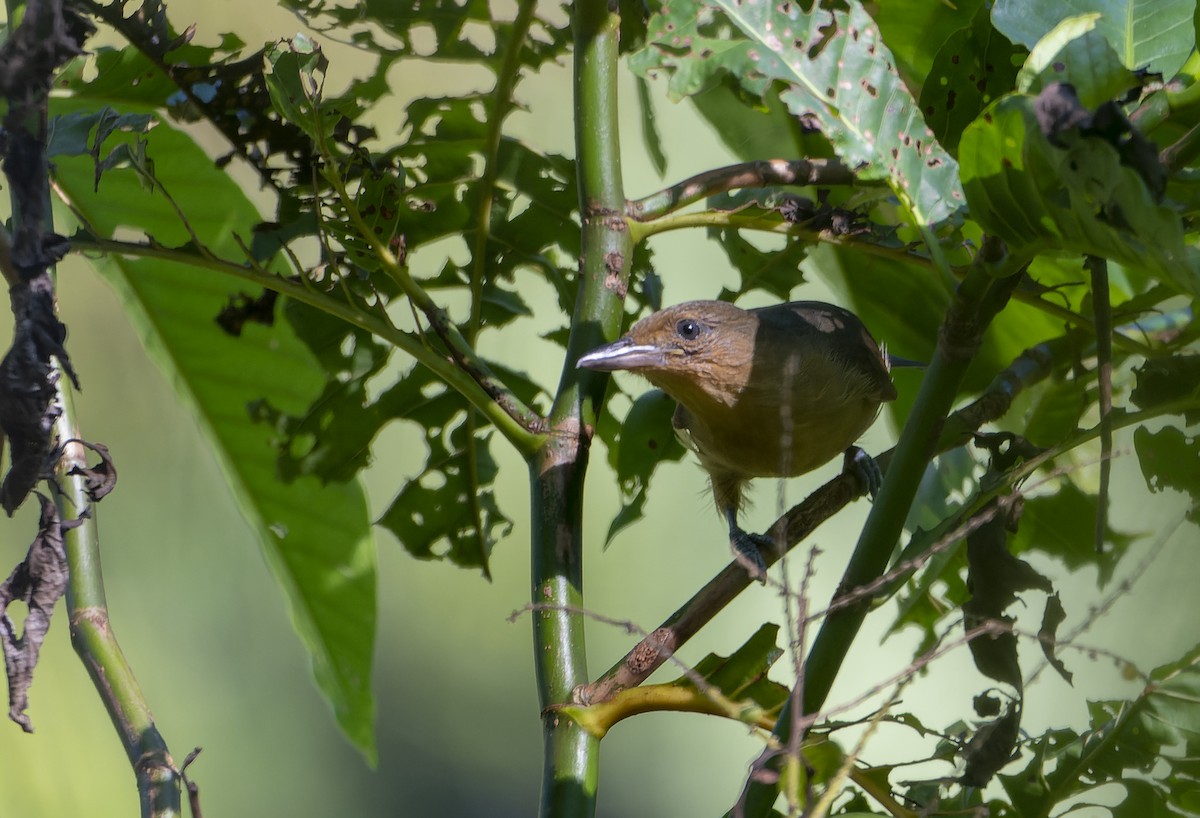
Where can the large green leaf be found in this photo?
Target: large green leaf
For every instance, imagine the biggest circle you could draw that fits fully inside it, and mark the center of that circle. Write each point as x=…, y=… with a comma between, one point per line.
x=837, y=73
x=1154, y=34
x=974, y=66
x=1076, y=52
x=316, y=538
x=1078, y=198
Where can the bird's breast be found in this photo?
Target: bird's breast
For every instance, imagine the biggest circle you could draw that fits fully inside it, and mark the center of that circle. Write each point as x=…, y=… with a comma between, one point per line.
x=774, y=438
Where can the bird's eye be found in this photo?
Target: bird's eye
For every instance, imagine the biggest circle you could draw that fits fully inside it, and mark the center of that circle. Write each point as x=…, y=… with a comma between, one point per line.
x=688, y=329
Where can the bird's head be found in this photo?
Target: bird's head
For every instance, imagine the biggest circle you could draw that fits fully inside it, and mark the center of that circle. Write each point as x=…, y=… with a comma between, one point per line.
x=692, y=351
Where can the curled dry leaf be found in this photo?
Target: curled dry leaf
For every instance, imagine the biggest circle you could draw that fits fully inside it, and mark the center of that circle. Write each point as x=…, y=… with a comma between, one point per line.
x=100, y=479
x=38, y=581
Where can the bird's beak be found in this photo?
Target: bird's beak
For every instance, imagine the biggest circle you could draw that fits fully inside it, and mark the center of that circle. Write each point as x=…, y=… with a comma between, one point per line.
x=622, y=354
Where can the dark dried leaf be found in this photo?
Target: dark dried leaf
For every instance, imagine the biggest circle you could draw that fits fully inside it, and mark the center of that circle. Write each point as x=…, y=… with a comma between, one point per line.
x=1052, y=617
x=242, y=308
x=994, y=578
x=27, y=410
x=991, y=748
x=1059, y=112
x=38, y=581
x=100, y=479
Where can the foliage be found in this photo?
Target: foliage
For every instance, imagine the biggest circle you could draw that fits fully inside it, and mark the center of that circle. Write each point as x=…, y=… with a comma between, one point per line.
x=975, y=159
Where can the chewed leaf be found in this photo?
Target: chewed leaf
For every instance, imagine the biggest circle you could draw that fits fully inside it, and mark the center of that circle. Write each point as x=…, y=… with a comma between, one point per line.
x=449, y=510
x=839, y=76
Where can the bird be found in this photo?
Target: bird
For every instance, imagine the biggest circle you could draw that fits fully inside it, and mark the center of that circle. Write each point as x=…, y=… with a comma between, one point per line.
x=773, y=391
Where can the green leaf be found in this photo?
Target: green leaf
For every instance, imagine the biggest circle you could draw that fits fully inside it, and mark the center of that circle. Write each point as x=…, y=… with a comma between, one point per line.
x=449, y=510
x=1170, y=459
x=1076, y=52
x=644, y=439
x=650, y=135
x=316, y=538
x=436, y=29
x=1060, y=524
x=973, y=67
x=745, y=668
x=1075, y=199
x=751, y=131
x=917, y=32
x=776, y=272
x=1167, y=380
x=295, y=79
x=1157, y=35
x=837, y=74
x=1057, y=407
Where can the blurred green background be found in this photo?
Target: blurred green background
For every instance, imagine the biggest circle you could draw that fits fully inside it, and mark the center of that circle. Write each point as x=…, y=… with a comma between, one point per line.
x=205, y=628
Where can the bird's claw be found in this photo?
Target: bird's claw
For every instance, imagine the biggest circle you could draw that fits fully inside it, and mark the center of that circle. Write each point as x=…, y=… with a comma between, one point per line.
x=864, y=468
x=747, y=549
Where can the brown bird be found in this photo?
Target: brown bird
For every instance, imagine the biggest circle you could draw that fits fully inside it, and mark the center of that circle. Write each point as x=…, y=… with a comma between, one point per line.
x=770, y=392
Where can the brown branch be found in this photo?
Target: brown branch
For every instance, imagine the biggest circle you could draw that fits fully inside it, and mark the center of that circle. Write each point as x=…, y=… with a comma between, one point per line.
x=732, y=177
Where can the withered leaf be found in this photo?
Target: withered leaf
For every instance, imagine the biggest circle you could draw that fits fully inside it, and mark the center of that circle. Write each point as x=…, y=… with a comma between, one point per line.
x=100, y=479
x=991, y=747
x=1052, y=617
x=242, y=309
x=38, y=581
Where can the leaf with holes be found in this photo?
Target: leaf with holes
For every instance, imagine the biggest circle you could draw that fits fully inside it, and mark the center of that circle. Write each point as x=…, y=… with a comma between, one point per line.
x=838, y=76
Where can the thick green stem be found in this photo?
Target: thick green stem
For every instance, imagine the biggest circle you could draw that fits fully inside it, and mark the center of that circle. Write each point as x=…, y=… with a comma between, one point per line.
x=571, y=753
x=983, y=292
x=158, y=780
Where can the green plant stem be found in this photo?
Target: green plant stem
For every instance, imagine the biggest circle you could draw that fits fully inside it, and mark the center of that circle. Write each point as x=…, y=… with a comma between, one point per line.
x=983, y=292
x=158, y=780
x=571, y=754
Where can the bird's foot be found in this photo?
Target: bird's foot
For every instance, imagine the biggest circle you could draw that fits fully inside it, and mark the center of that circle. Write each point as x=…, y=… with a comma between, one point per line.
x=748, y=551
x=864, y=468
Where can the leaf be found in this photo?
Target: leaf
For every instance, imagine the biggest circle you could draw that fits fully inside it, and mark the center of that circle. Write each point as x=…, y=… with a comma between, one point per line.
x=296, y=75
x=776, y=272
x=1052, y=616
x=38, y=581
x=973, y=67
x=1170, y=459
x=437, y=30
x=838, y=75
x=740, y=679
x=751, y=131
x=1057, y=408
x=1157, y=35
x=1076, y=52
x=1061, y=523
x=650, y=135
x=991, y=747
x=741, y=674
x=1168, y=380
x=1079, y=198
x=316, y=539
x=449, y=510
x=644, y=439
x=916, y=32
